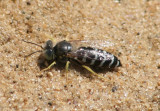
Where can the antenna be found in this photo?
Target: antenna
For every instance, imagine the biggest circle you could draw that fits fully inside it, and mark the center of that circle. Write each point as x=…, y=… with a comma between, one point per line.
x=32, y=53
x=32, y=43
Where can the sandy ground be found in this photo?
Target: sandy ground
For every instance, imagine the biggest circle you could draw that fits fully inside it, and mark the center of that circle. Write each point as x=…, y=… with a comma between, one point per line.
x=131, y=29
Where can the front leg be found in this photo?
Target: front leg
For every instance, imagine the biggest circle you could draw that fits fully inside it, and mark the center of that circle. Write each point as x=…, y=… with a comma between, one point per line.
x=53, y=63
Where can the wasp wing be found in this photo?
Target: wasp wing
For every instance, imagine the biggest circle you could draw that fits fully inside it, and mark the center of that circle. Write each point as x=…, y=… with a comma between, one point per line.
x=108, y=46
x=99, y=44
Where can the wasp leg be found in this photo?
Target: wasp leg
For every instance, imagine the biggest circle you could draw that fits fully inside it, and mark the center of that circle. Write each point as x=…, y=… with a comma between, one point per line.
x=66, y=67
x=53, y=63
x=94, y=73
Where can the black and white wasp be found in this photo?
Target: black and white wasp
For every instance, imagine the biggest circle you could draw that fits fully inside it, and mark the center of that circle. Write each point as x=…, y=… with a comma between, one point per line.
x=87, y=56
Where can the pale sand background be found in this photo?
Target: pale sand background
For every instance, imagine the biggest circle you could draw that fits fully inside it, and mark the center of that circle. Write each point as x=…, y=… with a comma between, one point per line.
x=132, y=28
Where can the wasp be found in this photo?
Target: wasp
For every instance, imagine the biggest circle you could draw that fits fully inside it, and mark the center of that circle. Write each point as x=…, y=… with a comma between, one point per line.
x=68, y=51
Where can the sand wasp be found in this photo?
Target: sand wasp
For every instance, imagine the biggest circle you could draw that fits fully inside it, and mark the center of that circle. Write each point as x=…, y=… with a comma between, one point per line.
x=69, y=51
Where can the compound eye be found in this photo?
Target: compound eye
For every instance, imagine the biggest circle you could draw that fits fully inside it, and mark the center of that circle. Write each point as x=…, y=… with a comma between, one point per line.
x=49, y=54
x=49, y=44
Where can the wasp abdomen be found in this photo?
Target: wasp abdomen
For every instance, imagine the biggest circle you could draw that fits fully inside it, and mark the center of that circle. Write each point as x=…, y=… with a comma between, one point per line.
x=96, y=57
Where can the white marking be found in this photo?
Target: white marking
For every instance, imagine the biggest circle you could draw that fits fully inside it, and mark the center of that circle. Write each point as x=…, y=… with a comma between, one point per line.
x=75, y=58
x=93, y=61
x=102, y=62
x=84, y=58
x=112, y=60
x=117, y=64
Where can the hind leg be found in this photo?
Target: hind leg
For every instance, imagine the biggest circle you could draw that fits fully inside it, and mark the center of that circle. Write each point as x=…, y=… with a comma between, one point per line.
x=92, y=72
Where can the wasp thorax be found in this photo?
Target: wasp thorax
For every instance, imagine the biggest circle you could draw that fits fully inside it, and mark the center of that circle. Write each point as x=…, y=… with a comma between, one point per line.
x=62, y=48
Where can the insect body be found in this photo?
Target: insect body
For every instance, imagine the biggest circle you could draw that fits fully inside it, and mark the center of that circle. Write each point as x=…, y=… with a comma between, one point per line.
x=65, y=51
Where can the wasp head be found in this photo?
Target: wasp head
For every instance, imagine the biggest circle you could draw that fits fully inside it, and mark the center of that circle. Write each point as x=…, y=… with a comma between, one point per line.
x=48, y=52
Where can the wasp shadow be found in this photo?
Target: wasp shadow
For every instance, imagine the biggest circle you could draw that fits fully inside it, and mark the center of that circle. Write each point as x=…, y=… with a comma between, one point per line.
x=43, y=63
